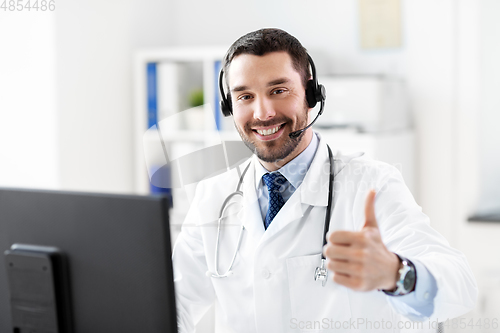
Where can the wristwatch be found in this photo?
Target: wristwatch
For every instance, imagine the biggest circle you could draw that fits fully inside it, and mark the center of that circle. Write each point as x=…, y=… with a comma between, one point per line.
x=407, y=279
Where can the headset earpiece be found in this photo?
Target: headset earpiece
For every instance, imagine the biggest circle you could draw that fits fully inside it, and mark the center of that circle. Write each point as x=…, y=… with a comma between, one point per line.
x=315, y=92
x=225, y=103
x=311, y=94
x=225, y=106
x=229, y=103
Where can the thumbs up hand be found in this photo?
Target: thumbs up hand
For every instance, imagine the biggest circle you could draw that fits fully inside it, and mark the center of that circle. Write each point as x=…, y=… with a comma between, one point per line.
x=360, y=259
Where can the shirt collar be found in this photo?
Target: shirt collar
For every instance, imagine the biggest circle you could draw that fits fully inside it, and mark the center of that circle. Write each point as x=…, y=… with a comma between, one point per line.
x=295, y=170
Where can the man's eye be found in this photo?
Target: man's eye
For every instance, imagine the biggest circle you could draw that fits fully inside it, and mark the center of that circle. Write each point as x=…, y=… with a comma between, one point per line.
x=278, y=91
x=244, y=97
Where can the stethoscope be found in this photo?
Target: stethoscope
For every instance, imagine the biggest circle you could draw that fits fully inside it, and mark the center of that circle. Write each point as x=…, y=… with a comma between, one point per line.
x=320, y=273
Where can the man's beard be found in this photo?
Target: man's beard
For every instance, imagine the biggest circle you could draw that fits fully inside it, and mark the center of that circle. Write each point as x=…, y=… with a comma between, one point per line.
x=275, y=150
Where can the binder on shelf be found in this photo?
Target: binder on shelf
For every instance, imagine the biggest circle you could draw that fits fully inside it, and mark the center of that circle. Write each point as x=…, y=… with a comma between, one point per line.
x=152, y=94
x=152, y=114
x=218, y=113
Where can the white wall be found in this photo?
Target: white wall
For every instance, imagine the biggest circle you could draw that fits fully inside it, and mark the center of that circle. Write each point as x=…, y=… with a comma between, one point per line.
x=93, y=51
x=477, y=141
x=28, y=141
x=489, y=138
x=95, y=41
x=327, y=28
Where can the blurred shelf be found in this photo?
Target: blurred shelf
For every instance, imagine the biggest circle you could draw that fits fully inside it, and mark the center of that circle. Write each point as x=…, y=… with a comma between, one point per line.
x=173, y=69
x=491, y=217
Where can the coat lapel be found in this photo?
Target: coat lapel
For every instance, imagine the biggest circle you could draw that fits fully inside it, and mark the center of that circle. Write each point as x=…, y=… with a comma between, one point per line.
x=250, y=215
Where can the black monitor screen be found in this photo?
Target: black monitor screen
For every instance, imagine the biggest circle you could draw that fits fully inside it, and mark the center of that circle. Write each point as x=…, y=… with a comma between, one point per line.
x=118, y=255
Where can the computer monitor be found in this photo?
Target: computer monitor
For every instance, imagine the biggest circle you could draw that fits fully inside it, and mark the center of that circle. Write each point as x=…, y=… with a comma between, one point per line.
x=117, y=249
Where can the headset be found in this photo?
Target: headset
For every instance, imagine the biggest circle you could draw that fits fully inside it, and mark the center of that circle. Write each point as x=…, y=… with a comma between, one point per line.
x=315, y=93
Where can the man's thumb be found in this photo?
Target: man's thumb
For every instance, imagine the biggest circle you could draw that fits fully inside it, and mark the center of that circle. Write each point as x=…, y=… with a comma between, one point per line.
x=370, y=220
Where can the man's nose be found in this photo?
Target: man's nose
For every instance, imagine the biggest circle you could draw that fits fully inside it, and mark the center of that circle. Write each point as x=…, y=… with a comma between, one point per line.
x=264, y=109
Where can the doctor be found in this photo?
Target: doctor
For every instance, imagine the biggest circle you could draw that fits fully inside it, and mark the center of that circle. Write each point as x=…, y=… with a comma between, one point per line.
x=256, y=253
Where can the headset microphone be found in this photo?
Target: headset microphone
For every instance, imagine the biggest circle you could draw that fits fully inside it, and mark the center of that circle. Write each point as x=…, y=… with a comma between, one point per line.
x=296, y=134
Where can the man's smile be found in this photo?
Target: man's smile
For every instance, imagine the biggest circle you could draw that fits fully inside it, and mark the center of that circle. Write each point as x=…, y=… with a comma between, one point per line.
x=269, y=133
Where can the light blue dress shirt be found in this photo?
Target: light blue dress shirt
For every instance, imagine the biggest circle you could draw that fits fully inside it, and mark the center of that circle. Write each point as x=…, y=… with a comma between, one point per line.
x=416, y=305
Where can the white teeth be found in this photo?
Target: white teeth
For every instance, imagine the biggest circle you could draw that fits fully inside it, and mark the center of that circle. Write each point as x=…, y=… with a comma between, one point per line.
x=269, y=131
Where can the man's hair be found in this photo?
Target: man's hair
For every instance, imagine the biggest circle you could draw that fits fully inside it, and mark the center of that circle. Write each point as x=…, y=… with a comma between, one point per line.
x=264, y=41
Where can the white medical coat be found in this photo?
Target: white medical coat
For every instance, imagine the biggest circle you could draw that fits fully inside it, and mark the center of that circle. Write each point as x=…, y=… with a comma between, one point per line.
x=273, y=288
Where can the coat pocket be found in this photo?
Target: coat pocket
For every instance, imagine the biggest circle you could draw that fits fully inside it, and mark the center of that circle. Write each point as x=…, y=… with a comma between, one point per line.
x=312, y=304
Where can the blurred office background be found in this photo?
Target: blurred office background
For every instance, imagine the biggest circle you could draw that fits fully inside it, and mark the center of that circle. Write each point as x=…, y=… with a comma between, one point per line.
x=67, y=101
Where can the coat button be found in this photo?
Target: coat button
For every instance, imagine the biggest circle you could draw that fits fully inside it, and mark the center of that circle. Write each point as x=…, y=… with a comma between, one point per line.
x=265, y=273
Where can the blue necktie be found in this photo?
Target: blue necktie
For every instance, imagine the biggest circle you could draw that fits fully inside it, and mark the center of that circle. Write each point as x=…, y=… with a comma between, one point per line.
x=275, y=185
